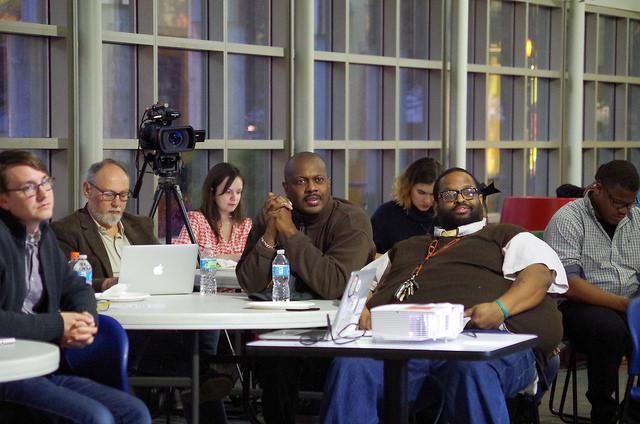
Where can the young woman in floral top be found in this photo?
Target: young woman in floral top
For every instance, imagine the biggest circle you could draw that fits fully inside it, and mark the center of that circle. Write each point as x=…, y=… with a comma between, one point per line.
x=220, y=221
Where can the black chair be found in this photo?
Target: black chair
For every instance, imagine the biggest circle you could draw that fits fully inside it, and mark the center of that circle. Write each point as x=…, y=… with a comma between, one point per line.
x=573, y=360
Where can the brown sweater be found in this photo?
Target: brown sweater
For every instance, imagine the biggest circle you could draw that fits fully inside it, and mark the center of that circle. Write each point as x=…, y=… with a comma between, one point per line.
x=469, y=273
x=321, y=256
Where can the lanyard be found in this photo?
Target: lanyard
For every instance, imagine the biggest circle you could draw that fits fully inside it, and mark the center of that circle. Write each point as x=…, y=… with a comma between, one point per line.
x=409, y=287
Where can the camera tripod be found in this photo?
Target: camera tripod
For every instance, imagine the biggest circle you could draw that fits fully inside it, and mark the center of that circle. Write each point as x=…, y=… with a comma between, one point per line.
x=168, y=187
x=166, y=167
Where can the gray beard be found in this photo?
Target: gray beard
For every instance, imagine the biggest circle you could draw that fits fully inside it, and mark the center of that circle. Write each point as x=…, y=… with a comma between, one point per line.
x=107, y=219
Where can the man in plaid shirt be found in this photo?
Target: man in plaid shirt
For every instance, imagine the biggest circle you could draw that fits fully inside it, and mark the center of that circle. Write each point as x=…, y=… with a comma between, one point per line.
x=598, y=240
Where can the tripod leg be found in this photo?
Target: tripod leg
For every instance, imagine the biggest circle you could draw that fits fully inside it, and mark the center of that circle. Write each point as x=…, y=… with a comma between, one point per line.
x=167, y=218
x=177, y=193
x=156, y=200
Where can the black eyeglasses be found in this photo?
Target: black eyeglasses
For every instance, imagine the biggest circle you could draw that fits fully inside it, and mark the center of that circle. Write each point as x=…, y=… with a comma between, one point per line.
x=109, y=195
x=31, y=189
x=617, y=204
x=451, y=195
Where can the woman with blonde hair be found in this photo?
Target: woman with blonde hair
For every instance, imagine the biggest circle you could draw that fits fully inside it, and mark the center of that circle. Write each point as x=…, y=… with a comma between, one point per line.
x=410, y=213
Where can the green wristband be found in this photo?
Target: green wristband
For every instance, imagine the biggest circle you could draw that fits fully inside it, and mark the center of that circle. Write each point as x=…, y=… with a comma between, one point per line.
x=502, y=308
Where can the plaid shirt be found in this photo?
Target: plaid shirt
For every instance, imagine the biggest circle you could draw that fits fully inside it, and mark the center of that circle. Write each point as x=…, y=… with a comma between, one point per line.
x=587, y=251
x=204, y=235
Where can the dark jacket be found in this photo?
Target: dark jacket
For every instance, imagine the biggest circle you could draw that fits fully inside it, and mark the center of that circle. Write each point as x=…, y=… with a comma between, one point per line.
x=391, y=224
x=78, y=232
x=62, y=289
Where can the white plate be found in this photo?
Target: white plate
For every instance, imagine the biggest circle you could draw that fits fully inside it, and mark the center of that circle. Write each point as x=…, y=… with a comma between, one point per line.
x=299, y=304
x=123, y=297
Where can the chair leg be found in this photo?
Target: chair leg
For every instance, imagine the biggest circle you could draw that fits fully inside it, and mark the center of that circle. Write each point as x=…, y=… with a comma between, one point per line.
x=571, y=378
x=623, y=407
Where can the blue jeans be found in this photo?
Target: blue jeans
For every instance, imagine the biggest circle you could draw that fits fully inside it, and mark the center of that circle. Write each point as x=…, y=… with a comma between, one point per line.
x=474, y=391
x=77, y=399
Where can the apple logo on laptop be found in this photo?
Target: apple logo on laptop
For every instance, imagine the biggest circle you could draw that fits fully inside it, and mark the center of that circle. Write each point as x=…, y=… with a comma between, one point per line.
x=158, y=269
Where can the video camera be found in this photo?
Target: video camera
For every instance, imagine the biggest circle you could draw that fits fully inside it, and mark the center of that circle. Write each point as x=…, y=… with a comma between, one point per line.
x=156, y=132
x=161, y=143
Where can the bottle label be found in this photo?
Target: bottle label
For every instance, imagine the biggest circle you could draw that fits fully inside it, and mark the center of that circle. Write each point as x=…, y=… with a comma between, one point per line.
x=280, y=270
x=87, y=275
x=210, y=263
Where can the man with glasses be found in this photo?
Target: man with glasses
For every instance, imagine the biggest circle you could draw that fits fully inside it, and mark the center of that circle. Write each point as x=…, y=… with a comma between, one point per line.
x=598, y=239
x=102, y=228
x=325, y=239
x=500, y=273
x=41, y=299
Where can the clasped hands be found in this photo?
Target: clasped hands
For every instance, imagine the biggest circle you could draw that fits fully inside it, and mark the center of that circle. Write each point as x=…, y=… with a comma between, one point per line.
x=276, y=213
x=79, y=329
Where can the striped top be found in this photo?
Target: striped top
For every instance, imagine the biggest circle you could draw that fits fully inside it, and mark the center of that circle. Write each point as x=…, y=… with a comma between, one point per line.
x=204, y=235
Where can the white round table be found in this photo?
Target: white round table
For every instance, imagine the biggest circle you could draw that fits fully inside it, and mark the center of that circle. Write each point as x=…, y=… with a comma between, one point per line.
x=27, y=358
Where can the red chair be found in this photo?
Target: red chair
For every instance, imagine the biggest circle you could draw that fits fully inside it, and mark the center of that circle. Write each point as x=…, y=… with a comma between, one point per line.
x=531, y=212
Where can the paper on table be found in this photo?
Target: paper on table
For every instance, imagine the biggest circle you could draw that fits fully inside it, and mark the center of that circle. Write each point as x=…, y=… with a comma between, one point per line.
x=116, y=290
x=226, y=263
x=7, y=340
x=119, y=293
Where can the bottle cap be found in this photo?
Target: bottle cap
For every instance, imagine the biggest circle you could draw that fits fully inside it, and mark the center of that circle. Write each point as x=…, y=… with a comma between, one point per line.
x=280, y=252
x=83, y=257
x=74, y=255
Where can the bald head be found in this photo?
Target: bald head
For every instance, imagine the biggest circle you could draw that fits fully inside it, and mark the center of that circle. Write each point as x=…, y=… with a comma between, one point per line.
x=301, y=160
x=306, y=182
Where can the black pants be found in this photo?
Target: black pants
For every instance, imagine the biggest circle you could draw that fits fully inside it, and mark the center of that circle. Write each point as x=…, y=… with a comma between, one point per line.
x=603, y=335
x=281, y=379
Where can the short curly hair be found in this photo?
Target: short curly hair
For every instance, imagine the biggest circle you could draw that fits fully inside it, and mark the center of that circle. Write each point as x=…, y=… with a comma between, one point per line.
x=618, y=172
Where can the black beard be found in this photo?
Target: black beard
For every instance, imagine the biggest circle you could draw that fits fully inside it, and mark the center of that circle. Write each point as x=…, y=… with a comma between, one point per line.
x=449, y=221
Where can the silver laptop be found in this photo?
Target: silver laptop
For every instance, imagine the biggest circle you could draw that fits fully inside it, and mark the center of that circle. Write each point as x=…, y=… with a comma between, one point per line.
x=159, y=268
x=345, y=323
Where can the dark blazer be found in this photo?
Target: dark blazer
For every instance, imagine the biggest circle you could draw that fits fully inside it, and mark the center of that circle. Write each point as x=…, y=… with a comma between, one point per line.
x=78, y=232
x=62, y=289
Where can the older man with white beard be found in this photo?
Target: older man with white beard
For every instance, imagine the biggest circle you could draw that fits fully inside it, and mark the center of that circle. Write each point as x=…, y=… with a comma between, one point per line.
x=102, y=228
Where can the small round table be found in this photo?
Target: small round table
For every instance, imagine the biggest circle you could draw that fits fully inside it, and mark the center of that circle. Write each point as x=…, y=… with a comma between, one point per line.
x=27, y=358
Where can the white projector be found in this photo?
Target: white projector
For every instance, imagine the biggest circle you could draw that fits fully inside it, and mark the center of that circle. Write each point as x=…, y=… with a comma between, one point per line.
x=412, y=322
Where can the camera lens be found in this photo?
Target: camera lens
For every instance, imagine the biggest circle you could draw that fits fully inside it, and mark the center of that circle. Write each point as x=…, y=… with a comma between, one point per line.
x=175, y=138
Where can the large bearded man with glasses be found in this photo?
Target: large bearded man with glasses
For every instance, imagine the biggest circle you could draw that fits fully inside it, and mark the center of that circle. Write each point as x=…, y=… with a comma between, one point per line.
x=325, y=239
x=598, y=239
x=41, y=299
x=500, y=273
x=102, y=228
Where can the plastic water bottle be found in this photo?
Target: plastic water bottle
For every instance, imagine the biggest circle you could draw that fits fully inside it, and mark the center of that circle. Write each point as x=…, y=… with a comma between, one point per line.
x=83, y=268
x=73, y=258
x=208, y=269
x=280, y=277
